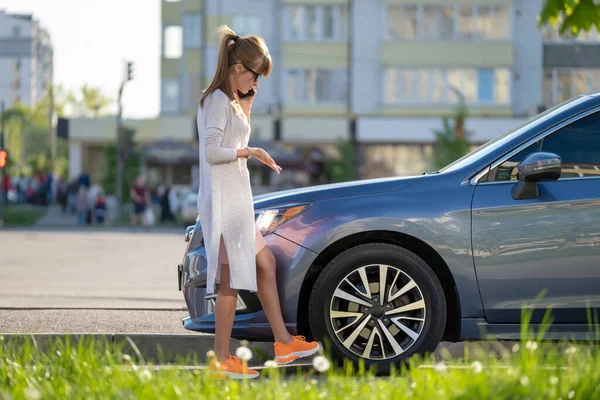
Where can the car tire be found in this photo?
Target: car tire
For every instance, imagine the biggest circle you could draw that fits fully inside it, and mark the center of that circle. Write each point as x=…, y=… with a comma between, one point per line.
x=392, y=261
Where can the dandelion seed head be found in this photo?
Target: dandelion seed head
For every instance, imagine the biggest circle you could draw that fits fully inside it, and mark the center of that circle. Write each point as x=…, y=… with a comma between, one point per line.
x=441, y=367
x=243, y=353
x=321, y=364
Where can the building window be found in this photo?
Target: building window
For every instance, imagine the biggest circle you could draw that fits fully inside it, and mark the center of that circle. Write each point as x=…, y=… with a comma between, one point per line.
x=387, y=160
x=170, y=96
x=315, y=23
x=551, y=34
x=316, y=86
x=246, y=25
x=172, y=44
x=192, y=31
x=437, y=85
x=441, y=22
x=561, y=84
x=16, y=31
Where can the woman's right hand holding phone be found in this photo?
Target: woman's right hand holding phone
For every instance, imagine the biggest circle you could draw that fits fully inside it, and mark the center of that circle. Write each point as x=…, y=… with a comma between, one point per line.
x=264, y=157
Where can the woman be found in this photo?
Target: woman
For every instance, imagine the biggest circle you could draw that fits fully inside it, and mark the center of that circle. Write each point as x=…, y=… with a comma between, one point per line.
x=237, y=256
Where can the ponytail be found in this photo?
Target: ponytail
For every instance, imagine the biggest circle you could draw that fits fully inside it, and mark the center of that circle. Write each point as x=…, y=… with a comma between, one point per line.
x=227, y=38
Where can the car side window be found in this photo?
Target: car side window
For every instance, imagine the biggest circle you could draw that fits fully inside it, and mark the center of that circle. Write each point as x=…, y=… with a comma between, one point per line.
x=507, y=171
x=578, y=146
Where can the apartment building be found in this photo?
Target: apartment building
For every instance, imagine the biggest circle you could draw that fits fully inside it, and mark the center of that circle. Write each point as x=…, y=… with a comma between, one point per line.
x=378, y=73
x=26, y=59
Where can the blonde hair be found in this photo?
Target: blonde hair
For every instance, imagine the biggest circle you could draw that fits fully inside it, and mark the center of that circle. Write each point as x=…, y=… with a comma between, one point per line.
x=249, y=50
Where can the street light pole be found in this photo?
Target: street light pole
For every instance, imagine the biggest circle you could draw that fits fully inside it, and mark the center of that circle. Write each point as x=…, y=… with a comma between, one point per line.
x=2, y=194
x=120, y=147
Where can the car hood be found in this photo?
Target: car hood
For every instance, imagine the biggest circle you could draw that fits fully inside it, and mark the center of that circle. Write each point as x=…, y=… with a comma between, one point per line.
x=320, y=192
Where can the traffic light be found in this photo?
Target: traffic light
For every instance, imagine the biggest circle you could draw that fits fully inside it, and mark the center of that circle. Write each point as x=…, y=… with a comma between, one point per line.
x=3, y=158
x=129, y=70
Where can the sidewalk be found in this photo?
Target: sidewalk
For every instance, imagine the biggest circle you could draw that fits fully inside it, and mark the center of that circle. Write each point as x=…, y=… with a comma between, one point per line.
x=55, y=218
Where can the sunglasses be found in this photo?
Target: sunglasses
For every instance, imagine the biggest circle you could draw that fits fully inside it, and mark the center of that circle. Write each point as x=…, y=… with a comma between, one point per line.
x=256, y=76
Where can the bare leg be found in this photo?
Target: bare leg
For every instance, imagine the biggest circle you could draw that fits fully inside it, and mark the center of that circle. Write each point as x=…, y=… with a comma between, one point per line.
x=268, y=295
x=224, y=314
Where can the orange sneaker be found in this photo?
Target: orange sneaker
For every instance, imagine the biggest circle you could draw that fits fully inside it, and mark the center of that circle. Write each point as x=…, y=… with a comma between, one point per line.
x=298, y=348
x=232, y=368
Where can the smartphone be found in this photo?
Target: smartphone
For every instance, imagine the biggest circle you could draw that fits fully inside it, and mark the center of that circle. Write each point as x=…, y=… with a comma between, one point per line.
x=250, y=93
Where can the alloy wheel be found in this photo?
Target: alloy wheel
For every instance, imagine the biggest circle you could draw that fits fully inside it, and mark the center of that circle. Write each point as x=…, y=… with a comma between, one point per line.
x=377, y=312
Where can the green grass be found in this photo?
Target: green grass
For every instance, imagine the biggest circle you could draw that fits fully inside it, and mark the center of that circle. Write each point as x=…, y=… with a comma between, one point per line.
x=93, y=369
x=20, y=216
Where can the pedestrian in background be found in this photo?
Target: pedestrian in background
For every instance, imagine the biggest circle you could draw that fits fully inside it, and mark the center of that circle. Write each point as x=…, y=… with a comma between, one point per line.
x=140, y=195
x=82, y=205
x=237, y=255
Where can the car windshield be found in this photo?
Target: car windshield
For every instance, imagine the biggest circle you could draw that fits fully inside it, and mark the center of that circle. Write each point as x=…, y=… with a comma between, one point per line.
x=500, y=140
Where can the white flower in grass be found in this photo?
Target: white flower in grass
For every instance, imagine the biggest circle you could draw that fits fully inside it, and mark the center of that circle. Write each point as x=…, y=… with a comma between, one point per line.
x=33, y=394
x=126, y=357
x=441, y=367
x=1, y=338
x=571, y=350
x=321, y=364
x=146, y=375
x=477, y=367
x=413, y=385
x=531, y=345
x=210, y=354
x=515, y=348
x=571, y=394
x=524, y=380
x=243, y=353
x=271, y=364
x=554, y=380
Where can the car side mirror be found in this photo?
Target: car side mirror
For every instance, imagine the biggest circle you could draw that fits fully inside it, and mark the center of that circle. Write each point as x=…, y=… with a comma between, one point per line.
x=536, y=167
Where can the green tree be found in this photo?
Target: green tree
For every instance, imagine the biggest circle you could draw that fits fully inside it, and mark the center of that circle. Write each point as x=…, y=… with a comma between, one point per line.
x=132, y=169
x=90, y=102
x=452, y=141
x=342, y=170
x=571, y=16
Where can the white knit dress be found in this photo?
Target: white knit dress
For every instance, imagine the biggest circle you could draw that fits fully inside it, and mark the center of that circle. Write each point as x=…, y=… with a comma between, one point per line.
x=225, y=203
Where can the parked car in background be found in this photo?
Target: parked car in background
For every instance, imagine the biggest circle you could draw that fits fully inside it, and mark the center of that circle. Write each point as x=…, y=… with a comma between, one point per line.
x=188, y=209
x=384, y=269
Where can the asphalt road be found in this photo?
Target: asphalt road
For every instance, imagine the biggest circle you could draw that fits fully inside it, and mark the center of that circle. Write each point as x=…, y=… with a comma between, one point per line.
x=92, y=321
x=90, y=269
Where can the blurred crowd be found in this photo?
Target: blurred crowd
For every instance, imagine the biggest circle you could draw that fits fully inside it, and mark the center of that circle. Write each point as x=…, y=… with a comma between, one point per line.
x=86, y=200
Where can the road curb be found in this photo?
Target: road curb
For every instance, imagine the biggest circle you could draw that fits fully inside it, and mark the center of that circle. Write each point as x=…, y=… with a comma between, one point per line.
x=156, y=348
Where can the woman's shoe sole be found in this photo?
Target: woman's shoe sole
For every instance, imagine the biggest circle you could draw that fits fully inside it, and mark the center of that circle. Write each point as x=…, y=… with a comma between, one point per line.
x=282, y=360
x=231, y=375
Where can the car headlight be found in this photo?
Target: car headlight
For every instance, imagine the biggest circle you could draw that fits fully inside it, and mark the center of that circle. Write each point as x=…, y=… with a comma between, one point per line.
x=270, y=219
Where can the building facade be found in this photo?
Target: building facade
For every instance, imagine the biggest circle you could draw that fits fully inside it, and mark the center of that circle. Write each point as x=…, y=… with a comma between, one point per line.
x=378, y=73
x=26, y=59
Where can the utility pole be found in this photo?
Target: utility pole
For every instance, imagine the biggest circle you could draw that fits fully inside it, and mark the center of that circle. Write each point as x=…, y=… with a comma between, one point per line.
x=2, y=194
x=53, y=122
x=120, y=147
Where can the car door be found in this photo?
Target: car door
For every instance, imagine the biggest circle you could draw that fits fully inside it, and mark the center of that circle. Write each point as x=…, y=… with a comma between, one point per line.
x=548, y=246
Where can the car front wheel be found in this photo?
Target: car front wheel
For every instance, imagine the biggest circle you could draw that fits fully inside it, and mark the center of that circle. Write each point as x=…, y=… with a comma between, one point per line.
x=380, y=303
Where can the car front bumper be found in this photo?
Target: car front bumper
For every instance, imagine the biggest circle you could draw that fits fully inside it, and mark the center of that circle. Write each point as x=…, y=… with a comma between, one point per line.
x=250, y=321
